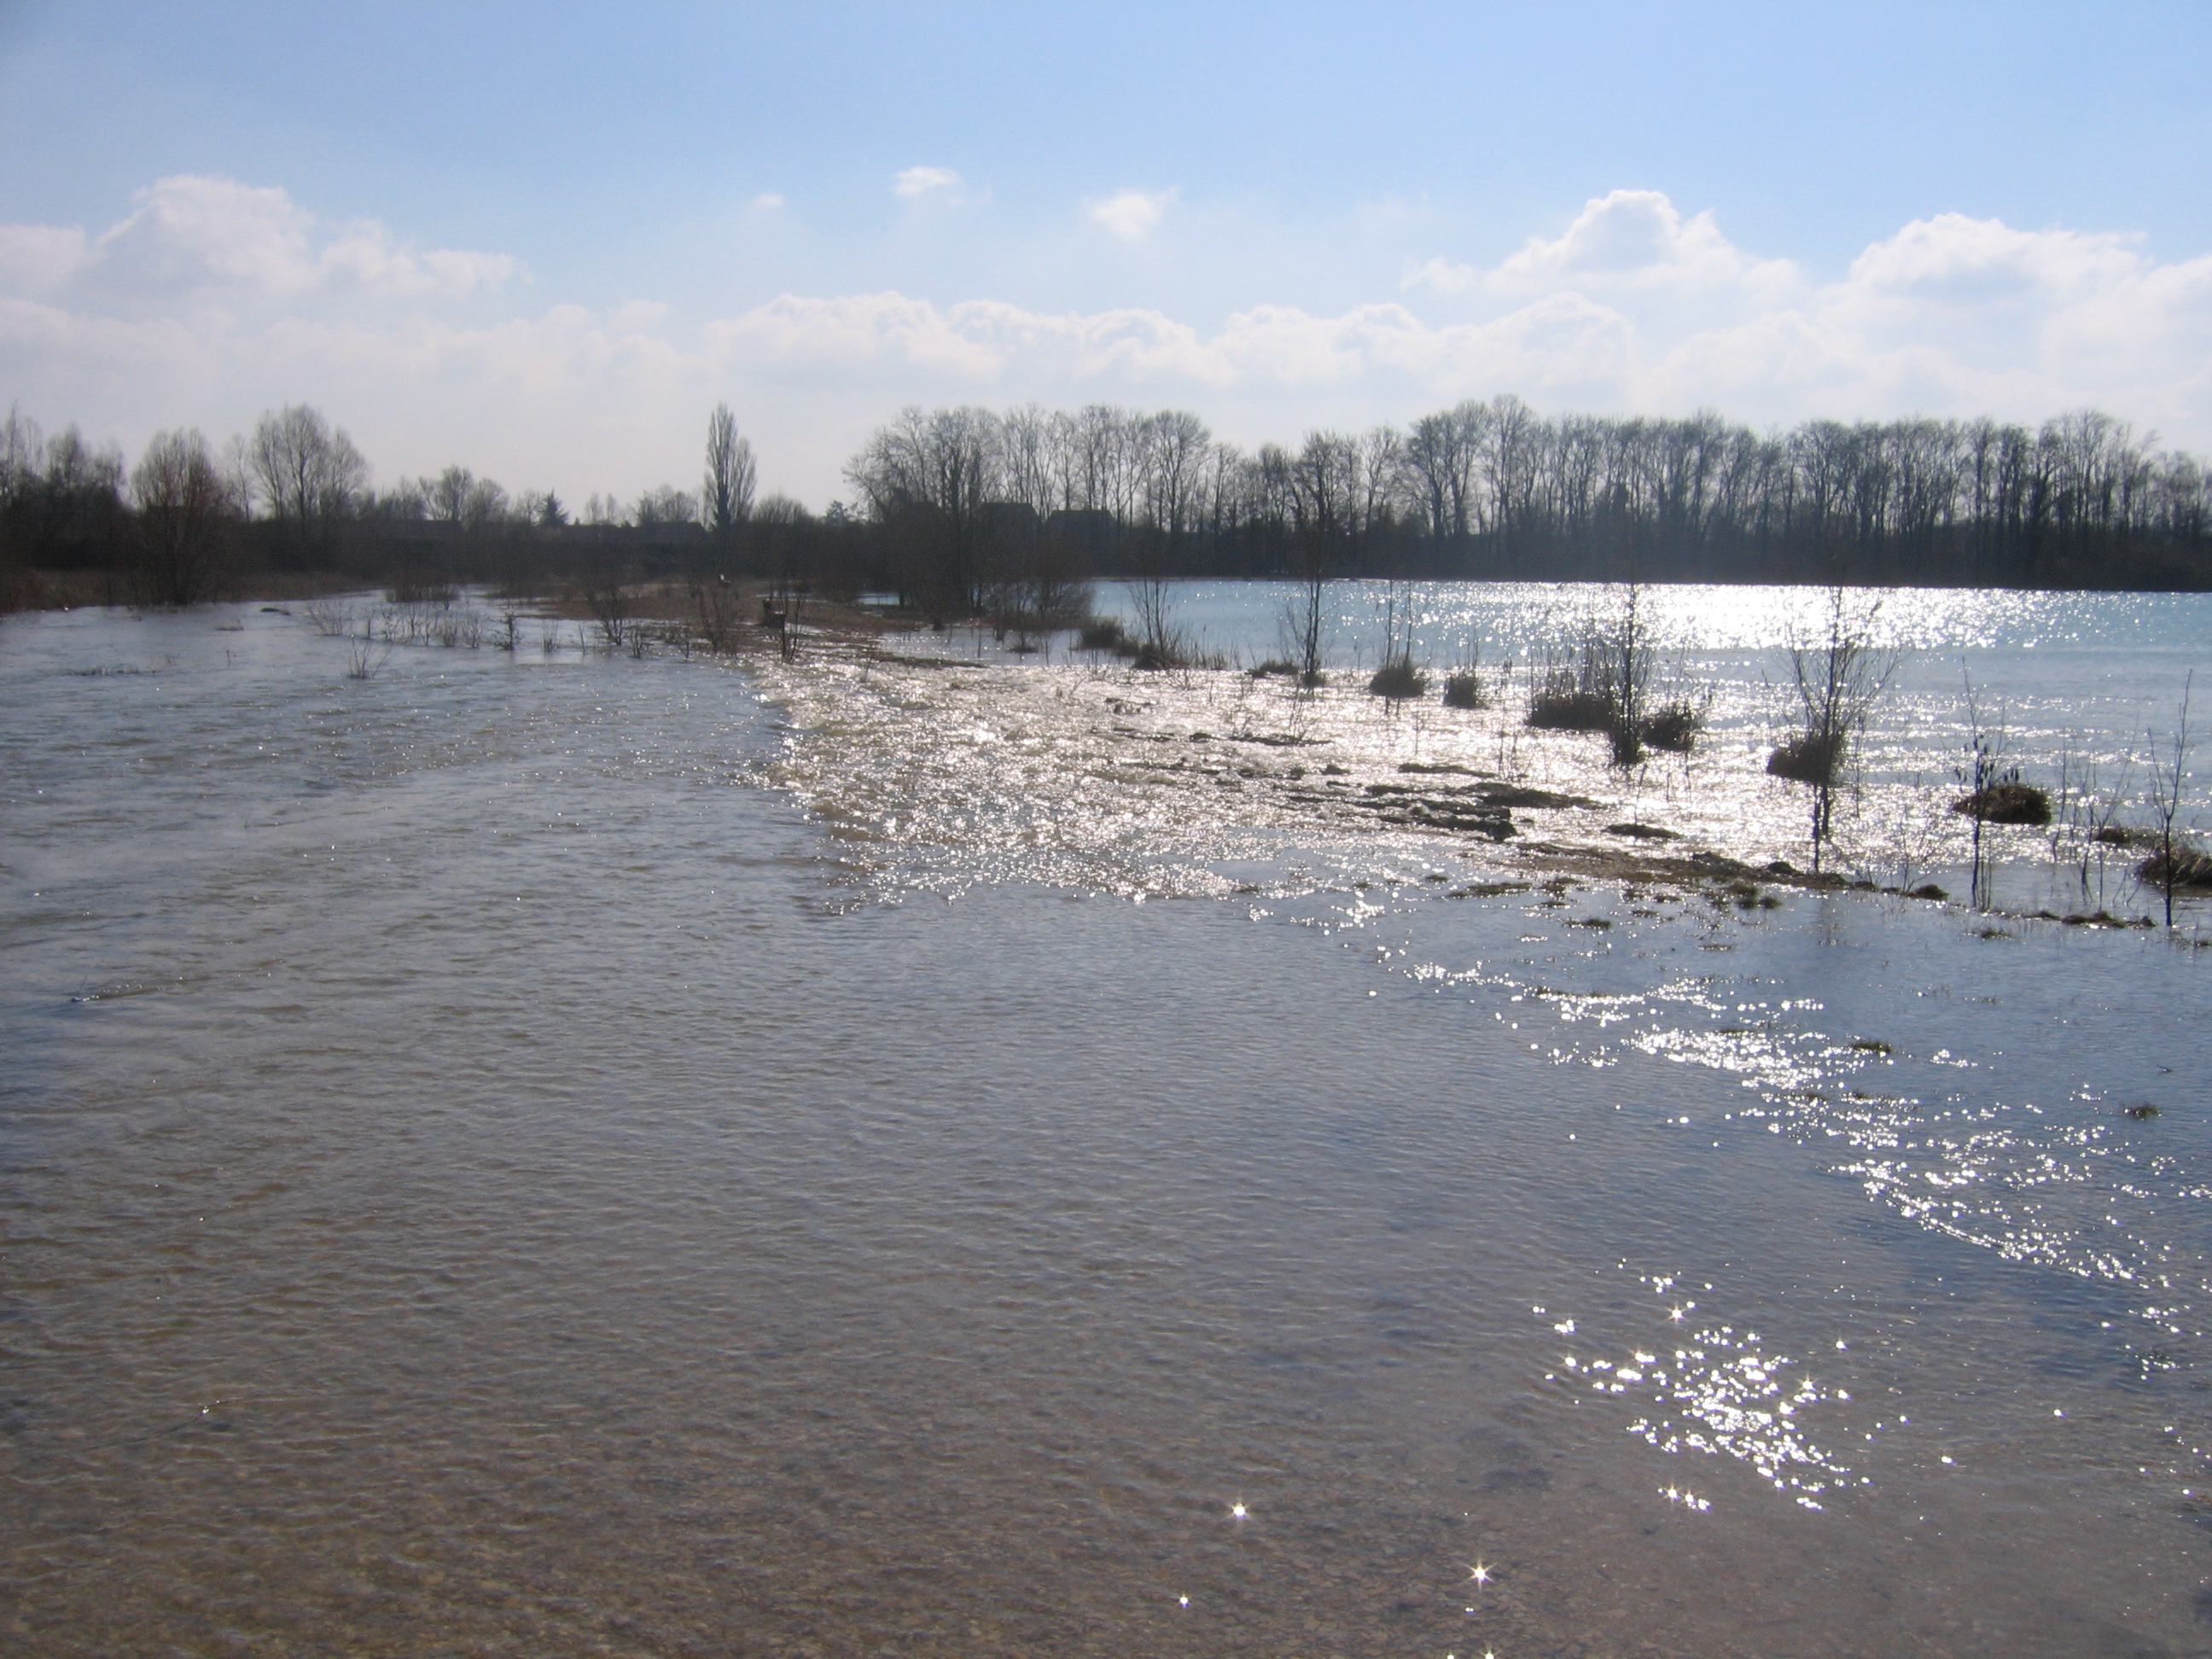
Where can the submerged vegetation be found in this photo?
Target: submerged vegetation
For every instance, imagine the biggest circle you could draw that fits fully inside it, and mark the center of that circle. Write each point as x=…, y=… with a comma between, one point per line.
x=2006, y=800
x=1465, y=689
x=1601, y=680
x=1837, y=677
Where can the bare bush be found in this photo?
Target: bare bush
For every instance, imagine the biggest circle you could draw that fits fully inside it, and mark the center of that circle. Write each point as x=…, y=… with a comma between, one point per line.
x=1160, y=643
x=604, y=597
x=328, y=617
x=1838, y=677
x=2169, y=772
x=1465, y=689
x=365, y=654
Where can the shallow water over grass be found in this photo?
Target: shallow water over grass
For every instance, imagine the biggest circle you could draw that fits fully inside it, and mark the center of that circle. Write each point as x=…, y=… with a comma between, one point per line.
x=557, y=1155
x=2079, y=691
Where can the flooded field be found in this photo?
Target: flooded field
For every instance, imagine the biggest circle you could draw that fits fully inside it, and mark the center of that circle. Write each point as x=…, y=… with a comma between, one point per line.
x=545, y=1152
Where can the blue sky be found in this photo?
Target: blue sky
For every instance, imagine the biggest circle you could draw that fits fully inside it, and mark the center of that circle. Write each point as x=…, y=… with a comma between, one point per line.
x=543, y=240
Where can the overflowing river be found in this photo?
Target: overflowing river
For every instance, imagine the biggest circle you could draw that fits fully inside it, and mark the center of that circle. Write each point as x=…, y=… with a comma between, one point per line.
x=557, y=1152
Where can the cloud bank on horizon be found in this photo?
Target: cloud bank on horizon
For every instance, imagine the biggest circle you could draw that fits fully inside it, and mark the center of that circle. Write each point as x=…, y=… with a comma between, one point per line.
x=212, y=298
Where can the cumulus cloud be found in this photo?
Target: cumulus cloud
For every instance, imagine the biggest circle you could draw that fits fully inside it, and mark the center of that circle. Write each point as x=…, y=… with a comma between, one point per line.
x=1956, y=260
x=1635, y=305
x=1630, y=241
x=1637, y=238
x=1442, y=274
x=924, y=184
x=978, y=347
x=195, y=234
x=1950, y=314
x=39, y=256
x=1131, y=214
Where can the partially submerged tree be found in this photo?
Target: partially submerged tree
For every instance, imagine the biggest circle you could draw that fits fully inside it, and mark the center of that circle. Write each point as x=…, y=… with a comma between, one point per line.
x=927, y=479
x=1398, y=678
x=1838, y=677
x=1159, y=641
x=1980, y=775
x=1625, y=659
x=1601, y=681
x=2176, y=864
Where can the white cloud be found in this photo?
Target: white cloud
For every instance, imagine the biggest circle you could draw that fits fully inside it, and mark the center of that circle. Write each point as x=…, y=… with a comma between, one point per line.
x=1628, y=242
x=640, y=317
x=1637, y=238
x=1131, y=214
x=213, y=299
x=39, y=256
x=193, y=234
x=919, y=184
x=766, y=201
x=1442, y=275
x=1954, y=260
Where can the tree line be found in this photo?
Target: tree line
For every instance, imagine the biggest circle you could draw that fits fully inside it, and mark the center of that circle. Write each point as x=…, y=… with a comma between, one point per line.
x=294, y=500
x=1495, y=490
x=967, y=510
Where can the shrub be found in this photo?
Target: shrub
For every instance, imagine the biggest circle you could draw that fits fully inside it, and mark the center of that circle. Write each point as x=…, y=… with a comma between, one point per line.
x=1674, y=728
x=2192, y=868
x=1104, y=634
x=1398, y=680
x=2006, y=801
x=1561, y=705
x=1466, y=690
x=1814, y=757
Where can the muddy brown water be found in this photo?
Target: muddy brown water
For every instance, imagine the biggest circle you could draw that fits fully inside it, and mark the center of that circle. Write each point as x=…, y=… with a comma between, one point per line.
x=482, y=1172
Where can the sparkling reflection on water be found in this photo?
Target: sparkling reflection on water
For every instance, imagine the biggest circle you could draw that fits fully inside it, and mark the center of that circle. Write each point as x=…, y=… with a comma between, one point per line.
x=483, y=1175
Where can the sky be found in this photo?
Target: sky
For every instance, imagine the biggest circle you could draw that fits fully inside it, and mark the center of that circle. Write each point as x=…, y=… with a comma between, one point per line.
x=542, y=241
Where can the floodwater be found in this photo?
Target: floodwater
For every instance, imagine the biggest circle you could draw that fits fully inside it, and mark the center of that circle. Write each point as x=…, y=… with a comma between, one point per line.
x=548, y=1153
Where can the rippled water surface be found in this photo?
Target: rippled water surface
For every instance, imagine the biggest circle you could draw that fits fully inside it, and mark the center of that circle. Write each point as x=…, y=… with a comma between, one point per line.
x=554, y=1154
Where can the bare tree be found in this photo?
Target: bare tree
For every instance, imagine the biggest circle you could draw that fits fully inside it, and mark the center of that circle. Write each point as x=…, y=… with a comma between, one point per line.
x=448, y=496
x=1174, y=446
x=1304, y=621
x=1398, y=678
x=2169, y=772
x=1979, y=775
x=1029, y=440
x=665, y=505
x=185, y=508
x=1625, y=676
x=929, y=477
x=726, y=496
x=605, y=596
x=308, y=471
x=1440, y=458
x=1830, y=501
x=1838, y=677
x=459, y=498
x=1159, y=641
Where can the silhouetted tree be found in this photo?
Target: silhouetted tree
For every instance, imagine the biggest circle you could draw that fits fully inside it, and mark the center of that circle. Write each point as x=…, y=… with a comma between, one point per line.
x=308, y=472
x=186, y=508
x=725, y=496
